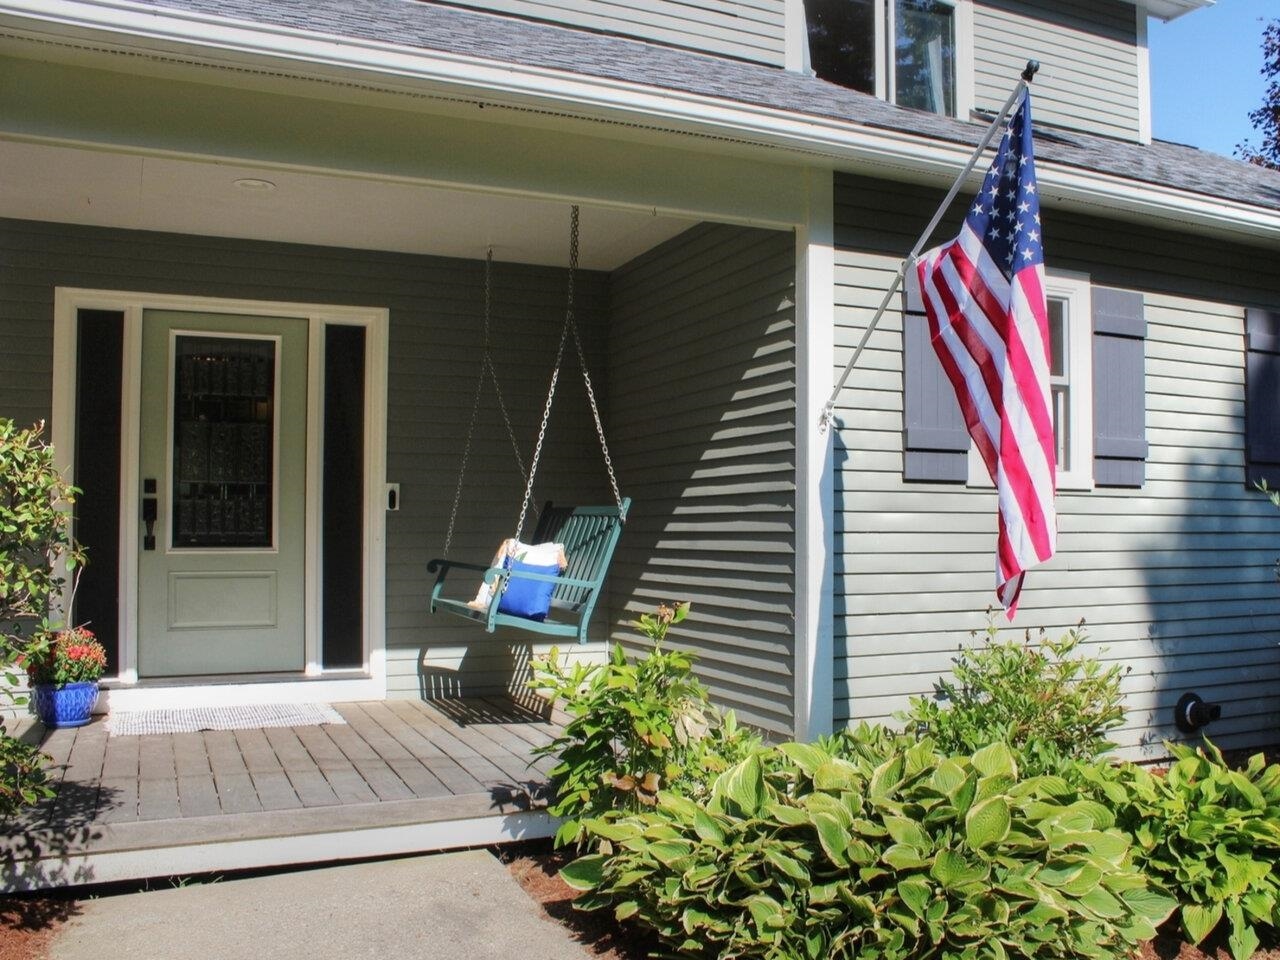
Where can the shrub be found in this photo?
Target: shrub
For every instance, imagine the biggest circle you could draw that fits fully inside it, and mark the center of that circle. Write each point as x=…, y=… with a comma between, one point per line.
x=636, y=727
x=1211, y=835
x=885, y=852
x=35, y=544
x=1046, y=702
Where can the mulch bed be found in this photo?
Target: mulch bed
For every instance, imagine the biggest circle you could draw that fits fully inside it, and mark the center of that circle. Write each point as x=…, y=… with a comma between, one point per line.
x=28, y=924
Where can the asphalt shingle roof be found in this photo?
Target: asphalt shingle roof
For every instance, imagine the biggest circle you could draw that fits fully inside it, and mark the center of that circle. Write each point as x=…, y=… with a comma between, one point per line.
x=429, y=26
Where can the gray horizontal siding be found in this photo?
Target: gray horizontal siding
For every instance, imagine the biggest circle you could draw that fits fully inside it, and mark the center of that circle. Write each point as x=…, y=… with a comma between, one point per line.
x=744, y=29
x=436, y=309
x=702, y=415
x=1089, y=61
x=1175, y=579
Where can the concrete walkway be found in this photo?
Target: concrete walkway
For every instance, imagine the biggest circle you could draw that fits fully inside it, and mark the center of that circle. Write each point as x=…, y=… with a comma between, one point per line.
x=444, y=906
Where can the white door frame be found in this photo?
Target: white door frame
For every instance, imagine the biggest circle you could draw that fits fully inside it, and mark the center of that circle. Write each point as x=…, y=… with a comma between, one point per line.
x=126, y=690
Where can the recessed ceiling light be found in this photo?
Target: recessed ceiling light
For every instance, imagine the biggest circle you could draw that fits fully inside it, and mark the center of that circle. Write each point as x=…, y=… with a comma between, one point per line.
x=254, y=185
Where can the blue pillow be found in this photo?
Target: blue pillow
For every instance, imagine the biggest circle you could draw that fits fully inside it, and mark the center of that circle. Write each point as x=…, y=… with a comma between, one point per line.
x=528, y=598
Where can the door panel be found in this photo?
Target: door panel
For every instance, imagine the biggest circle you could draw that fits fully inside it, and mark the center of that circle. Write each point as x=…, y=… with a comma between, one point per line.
x=223, y=454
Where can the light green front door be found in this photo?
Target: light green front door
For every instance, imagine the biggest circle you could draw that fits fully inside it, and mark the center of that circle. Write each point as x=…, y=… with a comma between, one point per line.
x=222, y=457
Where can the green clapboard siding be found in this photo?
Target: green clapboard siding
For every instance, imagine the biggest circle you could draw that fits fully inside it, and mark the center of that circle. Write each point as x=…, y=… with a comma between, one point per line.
x=744, y=29
x=436, y=308
x=1176, y=579
x=702, y=416
x=1088, y=53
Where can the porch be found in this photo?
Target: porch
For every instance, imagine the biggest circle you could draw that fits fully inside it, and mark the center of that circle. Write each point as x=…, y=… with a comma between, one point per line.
x=401, y=776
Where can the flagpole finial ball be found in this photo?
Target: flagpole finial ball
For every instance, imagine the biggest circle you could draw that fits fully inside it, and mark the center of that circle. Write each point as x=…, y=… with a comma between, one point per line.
x=1033, y=67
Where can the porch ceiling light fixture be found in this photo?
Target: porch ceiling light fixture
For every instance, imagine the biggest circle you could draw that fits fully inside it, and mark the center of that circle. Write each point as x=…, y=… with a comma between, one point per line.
x=254, y=185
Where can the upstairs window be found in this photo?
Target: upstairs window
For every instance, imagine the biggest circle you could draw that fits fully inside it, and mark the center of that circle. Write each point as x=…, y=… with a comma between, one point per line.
x=905, y=51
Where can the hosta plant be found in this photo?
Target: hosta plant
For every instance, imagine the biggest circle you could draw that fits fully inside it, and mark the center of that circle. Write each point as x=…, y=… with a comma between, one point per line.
x=880, y=851
x=1211, y=835
x=637, y=727
x=1045, y=699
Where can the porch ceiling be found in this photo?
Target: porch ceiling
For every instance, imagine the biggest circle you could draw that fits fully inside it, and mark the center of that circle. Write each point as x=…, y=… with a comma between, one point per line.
x=115, y=189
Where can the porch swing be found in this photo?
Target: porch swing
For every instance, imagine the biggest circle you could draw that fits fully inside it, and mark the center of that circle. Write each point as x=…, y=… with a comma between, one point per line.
x=588, y=534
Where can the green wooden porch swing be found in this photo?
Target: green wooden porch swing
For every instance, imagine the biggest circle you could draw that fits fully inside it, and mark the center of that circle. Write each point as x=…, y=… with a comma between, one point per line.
x=589, y=533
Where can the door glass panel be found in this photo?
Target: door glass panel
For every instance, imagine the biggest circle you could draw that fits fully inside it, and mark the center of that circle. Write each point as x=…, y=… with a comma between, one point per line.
x=223, y=441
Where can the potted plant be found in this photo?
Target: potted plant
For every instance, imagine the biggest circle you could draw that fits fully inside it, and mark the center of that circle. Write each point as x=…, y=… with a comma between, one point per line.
x=63, y=671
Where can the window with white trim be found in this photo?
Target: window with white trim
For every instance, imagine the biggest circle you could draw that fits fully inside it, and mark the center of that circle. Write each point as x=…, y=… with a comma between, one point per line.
x=915, y=53
x=1070, y=310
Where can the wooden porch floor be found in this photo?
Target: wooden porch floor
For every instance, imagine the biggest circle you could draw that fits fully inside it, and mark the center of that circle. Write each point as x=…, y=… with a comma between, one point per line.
x=400, y=776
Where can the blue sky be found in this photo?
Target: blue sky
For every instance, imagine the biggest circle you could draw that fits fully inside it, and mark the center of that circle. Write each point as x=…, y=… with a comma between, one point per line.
x=1205, y=73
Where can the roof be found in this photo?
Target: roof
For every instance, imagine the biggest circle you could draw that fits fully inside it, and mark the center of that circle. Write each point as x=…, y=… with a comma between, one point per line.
x=434, y=27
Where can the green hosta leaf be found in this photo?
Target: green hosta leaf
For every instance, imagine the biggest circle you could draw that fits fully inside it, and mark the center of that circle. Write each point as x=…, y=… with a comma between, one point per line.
x=789, y=865
x=1151, y=904
x=805, y=756
x=682, y=807
x=987, y=823
x=667, y=852
x=907, y=831
x=1102, y=903
x=952, y=870
x=886, y=777
x=615, y=830
x=915, y=894
x=948, y=777
x=1243, y=941
x=567, y=832
x=585, y=872
x=706, y=827
x=836, y=775
x=899, y=856
x=995, y=760
x=766, y=912
x=626, y=910
x=833, y=837
x=741, y=788
x=788, y=816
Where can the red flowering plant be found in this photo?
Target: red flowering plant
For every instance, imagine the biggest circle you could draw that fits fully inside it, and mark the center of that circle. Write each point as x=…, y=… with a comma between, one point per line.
x=68, y=656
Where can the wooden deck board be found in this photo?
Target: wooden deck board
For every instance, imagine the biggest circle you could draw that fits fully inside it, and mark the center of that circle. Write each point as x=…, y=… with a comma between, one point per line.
x=394, y=765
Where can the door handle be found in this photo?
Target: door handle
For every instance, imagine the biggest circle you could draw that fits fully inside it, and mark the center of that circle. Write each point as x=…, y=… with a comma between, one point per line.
x=149, y=514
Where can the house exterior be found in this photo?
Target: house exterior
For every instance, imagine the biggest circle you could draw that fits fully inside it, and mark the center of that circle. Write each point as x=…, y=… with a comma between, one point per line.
x=243, y=270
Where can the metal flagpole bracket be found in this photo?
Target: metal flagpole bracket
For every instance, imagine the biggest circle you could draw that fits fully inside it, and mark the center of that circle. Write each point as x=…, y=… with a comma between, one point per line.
x=828, y=409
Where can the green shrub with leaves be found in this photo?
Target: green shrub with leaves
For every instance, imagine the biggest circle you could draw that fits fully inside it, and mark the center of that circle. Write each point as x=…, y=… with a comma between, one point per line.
x=1208, y=833
x=882, y=851
x=36, y=546
x=1046, y=701
x=636, y=727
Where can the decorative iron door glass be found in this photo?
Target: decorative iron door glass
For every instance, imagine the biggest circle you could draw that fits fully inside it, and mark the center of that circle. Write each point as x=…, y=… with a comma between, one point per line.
x=223, y=442
x=222, y=457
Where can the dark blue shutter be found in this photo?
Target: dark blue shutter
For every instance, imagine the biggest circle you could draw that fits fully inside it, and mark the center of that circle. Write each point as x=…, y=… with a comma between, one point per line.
x=936, y=441
x=1119, y=388
x=1262, y=397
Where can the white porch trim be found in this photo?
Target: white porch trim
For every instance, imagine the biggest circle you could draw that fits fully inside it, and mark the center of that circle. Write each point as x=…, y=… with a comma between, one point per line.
x=128, y=690
x=815, y=517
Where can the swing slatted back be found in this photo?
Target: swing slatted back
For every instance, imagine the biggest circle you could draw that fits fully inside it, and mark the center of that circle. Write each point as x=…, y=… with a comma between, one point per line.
x=589, y=535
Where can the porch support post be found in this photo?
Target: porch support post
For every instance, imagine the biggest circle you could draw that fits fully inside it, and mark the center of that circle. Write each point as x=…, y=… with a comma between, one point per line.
x=815, y=540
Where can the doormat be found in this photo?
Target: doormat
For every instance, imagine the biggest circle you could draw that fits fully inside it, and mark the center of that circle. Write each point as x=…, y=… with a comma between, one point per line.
x=137, y=723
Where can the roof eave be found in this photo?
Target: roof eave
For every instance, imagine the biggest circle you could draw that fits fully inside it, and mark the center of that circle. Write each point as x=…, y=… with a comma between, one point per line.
x=1171, y=9
x=827, y=141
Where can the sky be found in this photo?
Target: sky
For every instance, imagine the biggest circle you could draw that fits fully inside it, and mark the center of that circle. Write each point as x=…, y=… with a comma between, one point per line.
x=1206, y=73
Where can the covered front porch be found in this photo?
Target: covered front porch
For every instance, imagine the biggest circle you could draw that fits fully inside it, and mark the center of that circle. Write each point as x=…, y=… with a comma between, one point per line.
x=398, y=777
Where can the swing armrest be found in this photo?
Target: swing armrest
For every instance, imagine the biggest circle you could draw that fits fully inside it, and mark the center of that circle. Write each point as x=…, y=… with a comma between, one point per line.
x=491, y=574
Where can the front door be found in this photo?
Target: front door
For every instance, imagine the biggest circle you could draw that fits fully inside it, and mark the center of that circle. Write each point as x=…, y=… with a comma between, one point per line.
x=223, y=468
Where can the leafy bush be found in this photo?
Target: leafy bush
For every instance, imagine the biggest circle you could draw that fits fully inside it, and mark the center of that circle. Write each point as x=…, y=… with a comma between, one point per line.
x=636, y=727
x=1045, y=701
x=883, y=852
x=1211, y=835
x=35, y=540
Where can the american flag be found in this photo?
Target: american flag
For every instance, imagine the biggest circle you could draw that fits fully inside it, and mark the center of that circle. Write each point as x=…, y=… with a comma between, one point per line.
x=984, y=296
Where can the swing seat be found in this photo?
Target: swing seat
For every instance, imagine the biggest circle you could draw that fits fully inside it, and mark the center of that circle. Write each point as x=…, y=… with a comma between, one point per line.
x=589, y=535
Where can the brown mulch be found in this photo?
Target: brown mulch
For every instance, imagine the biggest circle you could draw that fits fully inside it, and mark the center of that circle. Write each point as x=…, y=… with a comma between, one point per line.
x=536, y=868
x=28, y=924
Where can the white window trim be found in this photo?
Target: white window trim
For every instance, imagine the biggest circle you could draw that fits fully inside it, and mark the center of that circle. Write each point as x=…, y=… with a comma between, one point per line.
x=1076, y=289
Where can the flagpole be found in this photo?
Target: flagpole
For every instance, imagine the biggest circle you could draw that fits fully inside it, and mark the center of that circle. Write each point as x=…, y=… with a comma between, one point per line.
x=828, y=409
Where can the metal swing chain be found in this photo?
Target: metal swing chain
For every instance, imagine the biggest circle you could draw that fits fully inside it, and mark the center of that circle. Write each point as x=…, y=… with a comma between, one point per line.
x=486, y=366
x=570, y=324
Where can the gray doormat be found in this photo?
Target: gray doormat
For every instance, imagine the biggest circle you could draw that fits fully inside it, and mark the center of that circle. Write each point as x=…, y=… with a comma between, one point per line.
x=135, y=723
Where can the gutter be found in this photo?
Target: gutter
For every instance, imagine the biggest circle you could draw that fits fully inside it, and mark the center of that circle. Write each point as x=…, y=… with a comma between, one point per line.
x=194, y=38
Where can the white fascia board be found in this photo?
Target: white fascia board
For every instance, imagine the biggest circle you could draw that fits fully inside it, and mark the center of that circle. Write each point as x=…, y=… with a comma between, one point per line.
x=845, y=145
x=1170, y=9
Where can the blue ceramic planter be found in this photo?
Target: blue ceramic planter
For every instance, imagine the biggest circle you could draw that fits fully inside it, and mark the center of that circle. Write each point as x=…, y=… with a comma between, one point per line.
x=65, y=705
